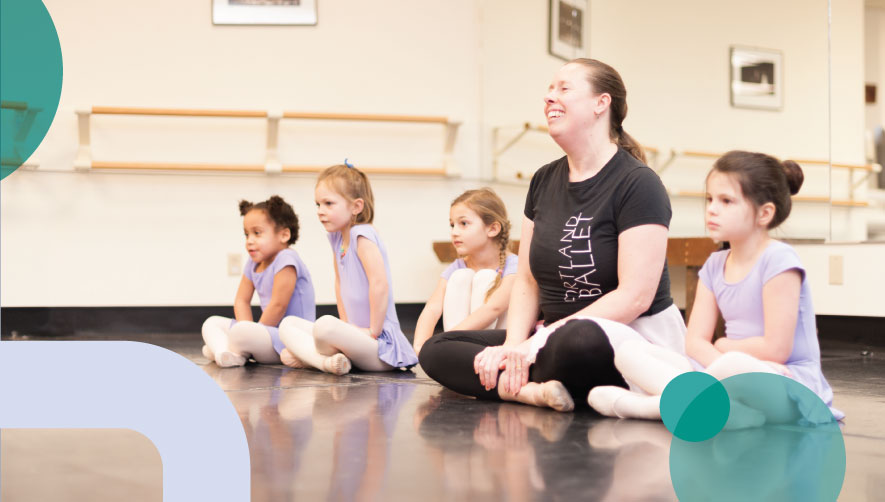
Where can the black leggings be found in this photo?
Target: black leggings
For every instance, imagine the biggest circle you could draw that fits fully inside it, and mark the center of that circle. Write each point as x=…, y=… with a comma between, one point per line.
x=578, y=354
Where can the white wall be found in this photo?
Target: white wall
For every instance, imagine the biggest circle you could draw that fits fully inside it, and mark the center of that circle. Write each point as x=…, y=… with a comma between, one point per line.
x=161, y=239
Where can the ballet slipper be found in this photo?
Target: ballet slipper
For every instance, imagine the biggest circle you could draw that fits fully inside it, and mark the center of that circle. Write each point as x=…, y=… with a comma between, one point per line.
x=554, y=395
x=289, y=359
x=229, y=359
x=602, y=399
x=338, y=364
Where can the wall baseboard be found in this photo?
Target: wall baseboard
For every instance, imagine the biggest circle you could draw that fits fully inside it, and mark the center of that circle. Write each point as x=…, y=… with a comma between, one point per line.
x=69, y=321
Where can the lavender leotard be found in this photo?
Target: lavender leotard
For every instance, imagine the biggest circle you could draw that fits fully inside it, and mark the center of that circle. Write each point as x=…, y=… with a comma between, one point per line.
x=393, y=347
x=302, y=303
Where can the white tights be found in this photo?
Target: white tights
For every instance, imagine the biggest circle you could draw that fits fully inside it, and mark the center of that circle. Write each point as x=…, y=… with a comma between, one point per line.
x=651, y=368
x=465, y=292
x=233, y=346
x=329, y=345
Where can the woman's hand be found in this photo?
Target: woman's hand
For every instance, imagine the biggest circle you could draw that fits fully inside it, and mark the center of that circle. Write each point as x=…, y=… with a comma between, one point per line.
x=487, y=364
x=516, y=369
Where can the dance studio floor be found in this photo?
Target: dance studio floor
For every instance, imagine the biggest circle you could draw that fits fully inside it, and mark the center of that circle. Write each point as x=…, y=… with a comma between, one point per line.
x=400, y=436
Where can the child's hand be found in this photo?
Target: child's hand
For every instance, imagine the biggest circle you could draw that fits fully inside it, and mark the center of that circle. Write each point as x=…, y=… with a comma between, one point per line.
x=369, y=332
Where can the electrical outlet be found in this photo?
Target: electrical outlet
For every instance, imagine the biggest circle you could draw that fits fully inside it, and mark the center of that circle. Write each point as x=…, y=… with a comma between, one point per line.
x=837, y=269
x=234, y=264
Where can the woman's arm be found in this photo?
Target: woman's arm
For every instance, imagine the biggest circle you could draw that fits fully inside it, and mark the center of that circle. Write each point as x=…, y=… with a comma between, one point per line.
x=243, y=300
x=429, y=315
x=280, y=296
x=642, y=251
x=701, y=325
x=522, y=314
x=780, y=307
x=521, y=317
x=373, y=264
x=492, y=309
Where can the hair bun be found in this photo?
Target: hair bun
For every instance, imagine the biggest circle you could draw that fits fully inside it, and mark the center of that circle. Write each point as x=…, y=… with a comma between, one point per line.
x=275, y=202
x=245, y=206
x=794, y=176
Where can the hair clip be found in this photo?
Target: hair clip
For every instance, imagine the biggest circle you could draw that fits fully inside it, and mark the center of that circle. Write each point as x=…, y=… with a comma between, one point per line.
x=348, y=164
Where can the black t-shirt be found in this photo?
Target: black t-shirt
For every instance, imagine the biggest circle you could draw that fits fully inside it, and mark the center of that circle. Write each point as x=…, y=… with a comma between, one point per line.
x=574, y=251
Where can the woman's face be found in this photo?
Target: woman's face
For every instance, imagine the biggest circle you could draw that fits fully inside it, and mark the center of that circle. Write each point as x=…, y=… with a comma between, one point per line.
x=570, y=105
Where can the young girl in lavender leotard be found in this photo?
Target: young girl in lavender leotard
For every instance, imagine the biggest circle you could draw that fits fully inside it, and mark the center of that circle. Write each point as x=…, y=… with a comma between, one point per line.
x=367, y=333
x=760, y=287
x=474, y=291
x=279, y=276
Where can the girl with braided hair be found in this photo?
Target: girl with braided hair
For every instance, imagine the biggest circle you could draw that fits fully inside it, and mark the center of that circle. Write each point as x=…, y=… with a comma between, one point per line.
x=474, y=291
x=279, y=276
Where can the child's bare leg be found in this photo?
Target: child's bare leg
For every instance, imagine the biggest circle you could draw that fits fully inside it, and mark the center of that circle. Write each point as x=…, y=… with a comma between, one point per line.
x=456, y=302
x=215, y=336
x=250, y=339
x=297, y=335
x=334, y=336
x=550, y=394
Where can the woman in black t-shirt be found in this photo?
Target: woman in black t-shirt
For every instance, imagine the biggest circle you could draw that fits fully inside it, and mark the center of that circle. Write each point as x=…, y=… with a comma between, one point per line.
x=592, y=251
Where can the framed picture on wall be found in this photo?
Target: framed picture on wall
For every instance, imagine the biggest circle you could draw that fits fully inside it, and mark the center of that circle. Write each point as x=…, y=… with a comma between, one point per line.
x=567, y=38
x=757, y=79
x=303, y=12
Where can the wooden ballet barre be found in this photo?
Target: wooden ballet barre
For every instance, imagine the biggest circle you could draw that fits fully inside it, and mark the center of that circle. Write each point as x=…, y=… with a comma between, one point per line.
x=412, y=171
x=366, y=117
x=180, y=166
x=862, y=167
x=712, y=155
x=14, y=105
x=176, y=166
x=176, y=112
x=272, y=163
x=797, y=198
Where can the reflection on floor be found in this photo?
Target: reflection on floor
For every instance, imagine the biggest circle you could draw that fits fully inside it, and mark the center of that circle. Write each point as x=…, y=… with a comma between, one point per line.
x=400, y=436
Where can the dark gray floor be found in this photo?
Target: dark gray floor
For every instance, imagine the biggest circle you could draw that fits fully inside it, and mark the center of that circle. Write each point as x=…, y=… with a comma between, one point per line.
x=402, y=437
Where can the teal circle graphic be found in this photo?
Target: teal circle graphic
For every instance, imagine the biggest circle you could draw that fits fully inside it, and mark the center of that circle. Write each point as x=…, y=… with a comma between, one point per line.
x=30, y=79
x=781, y=442
x=694, y=406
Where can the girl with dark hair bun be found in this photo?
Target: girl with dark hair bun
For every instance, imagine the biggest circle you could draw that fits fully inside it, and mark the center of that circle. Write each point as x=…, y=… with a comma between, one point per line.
x=760, y=288
x=591, y=261
x=279, y=276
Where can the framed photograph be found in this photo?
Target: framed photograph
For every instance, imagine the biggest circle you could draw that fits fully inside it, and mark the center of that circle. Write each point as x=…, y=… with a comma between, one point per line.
x=302, y=12
x=757, y=79
x=567, y=39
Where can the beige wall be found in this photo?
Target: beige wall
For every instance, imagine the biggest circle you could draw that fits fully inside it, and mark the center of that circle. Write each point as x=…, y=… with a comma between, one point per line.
x=874, y=62
x=152, y=239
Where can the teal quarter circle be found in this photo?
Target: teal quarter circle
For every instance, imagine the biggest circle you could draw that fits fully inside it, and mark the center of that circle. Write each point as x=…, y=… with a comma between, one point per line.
x=694, y=406
x=30, y=79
